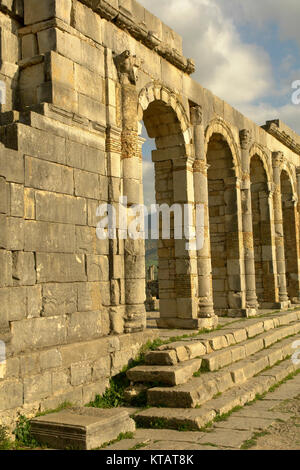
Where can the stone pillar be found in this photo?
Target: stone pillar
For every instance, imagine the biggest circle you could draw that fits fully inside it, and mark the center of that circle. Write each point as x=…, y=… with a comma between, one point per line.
x=251, y=298
x=204, y=266
x=270, y=280
x=277, y=161
x=134, y=250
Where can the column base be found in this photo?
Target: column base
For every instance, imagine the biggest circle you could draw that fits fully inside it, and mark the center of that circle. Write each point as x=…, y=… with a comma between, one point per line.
x=188, y=323
x=242, y=312
x=275, y=305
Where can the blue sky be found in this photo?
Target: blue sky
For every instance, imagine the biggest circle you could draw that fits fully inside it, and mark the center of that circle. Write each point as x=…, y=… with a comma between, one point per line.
x=247, y=52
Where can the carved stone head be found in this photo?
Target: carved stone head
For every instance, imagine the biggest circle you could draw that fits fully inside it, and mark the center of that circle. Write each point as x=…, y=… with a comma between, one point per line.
x=245, y=138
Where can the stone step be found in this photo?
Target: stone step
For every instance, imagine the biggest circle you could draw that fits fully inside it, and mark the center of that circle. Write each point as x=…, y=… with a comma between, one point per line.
x=216, y=360
x=170, y=375
x=236, y=333
x=197, y=418
x=199, y=390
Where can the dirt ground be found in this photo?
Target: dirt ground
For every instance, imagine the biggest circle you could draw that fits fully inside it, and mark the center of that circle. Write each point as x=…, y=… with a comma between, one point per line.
x=283, y=436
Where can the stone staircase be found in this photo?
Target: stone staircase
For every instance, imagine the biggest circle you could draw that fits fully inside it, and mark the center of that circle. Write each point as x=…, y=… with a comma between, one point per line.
x=196, y=379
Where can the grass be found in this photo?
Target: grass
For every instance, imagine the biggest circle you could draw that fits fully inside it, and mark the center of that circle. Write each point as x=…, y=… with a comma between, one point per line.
x=253, y=440
x=121, y=437
x=5, y=442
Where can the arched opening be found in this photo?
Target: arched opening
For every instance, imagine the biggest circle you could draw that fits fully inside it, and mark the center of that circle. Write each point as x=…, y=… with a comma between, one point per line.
x=175, y=291
x=224, y=227
x=290, y=237
x=262, y=235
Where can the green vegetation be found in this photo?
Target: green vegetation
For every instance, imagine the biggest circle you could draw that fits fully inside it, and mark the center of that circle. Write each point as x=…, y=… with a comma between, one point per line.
x=5, y=442
x=121, y=437
x=253, y=440
x=23, y=434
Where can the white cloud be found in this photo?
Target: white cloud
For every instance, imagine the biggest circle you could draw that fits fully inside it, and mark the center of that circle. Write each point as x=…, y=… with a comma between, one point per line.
x=237, y=72
x=285, y=13
x=234, y=71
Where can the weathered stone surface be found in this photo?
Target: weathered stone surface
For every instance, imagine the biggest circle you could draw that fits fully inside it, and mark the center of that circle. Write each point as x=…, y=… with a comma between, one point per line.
x=81, y=428
x=59, y=299
x=60, y=267
x=172, y=375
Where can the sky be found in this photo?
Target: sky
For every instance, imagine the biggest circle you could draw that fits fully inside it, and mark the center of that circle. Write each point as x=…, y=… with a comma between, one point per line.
x=247, y=52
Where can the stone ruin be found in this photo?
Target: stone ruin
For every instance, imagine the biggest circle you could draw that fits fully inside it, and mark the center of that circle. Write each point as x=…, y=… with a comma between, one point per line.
x=78, y=79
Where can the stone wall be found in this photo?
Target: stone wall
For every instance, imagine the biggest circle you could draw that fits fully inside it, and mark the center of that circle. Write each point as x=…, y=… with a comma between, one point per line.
x=81, y=77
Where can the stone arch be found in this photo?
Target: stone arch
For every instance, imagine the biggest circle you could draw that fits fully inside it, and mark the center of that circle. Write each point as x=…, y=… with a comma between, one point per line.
x=263, y=240
x=156, y=92
x=258, y=150
x=225, y=220
x=219, y=126
x=290, y=170
x=290, y=224
x=166, y=121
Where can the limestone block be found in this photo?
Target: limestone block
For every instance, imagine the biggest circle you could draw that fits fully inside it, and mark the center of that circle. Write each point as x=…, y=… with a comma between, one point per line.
x=87, y=22
x=29, y=364
x=34, y=301
x=91, y=427
x=23, y=269
x=86, y=184
x=101, y=368
x=97, y=268
x=9, y=46
x=37, y=387
x=85, y=326
x=38, y=333
x=60, y=208
x=49, y=237
x=59, y=299
x=89, y=83
x=81, y=373
x=12, y=233
x=36, y=11
x=170, y=375
x=89, y=296
x=6, y=268
x=88, y=242
x=11, y=394
x=61, y=381
x=85, y=157
x=4, y=188
x=59, y=69
x=60, y=267
x=16, y=200
x=29, y=203
x=29, y=46
x=13, y=303
x=91, y=109
x=48, y=176
x=60, y=95
x=117, y=322
x=50, y=147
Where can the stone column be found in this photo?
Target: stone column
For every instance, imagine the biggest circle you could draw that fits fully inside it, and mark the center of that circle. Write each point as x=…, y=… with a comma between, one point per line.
x=270, y=281
x=134, y=250
x=204, y=266
x=277, y=161
x=251, y=298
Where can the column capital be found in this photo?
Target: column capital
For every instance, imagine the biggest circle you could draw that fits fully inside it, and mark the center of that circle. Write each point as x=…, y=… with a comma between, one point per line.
x=196, y=115
x=245, y=139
